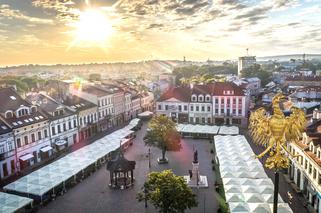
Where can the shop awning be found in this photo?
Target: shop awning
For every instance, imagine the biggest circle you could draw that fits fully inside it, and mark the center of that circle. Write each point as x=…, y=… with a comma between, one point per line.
x=26, y=157
x=46, y=149
x=60, y=142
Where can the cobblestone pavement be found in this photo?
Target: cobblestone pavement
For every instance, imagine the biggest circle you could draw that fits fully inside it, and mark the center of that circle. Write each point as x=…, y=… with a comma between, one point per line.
x=297, y=202
x=93, y=194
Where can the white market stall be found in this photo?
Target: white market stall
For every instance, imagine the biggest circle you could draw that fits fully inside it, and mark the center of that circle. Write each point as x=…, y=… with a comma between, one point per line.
x=246, y=185
x=55, y=175
x=12, y=203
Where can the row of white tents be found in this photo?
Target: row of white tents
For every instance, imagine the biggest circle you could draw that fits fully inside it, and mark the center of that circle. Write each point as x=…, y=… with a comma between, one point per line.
x=11, y=203
x=47, y=178
x=246, y=185
x=207, y=129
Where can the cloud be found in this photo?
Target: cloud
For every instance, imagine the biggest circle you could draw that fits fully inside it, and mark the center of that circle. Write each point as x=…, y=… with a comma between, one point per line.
x=64, y=10
x=7, y=12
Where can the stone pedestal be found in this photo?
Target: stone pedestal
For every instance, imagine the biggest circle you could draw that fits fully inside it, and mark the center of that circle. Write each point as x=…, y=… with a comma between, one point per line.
x=197, y=180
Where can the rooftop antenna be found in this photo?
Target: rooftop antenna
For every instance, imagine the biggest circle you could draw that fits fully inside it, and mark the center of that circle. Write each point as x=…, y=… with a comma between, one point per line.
x=247, y=51
x=303, y=58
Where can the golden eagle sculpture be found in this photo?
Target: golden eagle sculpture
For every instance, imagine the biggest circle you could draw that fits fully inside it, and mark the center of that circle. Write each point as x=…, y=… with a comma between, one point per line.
x=275, y=131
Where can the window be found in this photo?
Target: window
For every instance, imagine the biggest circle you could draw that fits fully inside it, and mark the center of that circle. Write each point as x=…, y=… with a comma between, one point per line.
x=185, y=107
x=61, y=112
x=18, y=142
x=200, y=98
x=2, y=149
x=39, y=135
x=69, y=124
x=208, y=120
x=314, y=173
x=179, y=108
x=216, y=111
x=33, y=138
x=197, y=108
x=234, y=111
x=240, y=111
x=80, y=121
x=197, y=120
x=192, y=108
x=203, y=120
x=159, y=107
x=10, y=146
x=46, y=133
x=319, y=181
x=75, y=123
x=203, y=109
x=216, y=100
x=53, y=130
x=208, y=108
x=310, y=168
x=191, y=120
x=222, y=111
x=166, y=107
x=240, y=101
x=222, y=101
x=228, y=101
x=59, y=130
x=208, y=98
x=26, y=139
x=306, y=164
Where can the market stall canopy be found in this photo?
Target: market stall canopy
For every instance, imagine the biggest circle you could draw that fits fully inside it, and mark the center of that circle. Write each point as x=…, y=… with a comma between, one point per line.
x=11, y=203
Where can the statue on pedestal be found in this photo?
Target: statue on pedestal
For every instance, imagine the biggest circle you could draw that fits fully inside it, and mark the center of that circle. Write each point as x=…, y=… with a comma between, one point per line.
x=195, y=157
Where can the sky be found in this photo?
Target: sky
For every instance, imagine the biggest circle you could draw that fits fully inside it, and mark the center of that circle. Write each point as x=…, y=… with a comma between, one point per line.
x=59, y=32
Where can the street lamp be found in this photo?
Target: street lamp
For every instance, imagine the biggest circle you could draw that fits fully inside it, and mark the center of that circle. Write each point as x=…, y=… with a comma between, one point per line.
x=145, y=192
x=148, y=157
x=274, y=132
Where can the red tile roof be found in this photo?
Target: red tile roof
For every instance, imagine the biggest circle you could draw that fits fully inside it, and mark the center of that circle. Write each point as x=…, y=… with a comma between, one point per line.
x=184, y=93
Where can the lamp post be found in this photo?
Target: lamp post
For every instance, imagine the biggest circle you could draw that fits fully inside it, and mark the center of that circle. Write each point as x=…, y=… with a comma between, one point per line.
x=274, y=132
x=148, y=157
x=145, y=192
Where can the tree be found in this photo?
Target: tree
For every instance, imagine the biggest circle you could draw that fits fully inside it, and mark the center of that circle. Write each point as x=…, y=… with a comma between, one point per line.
x=167, y=192
x=94, y=77
x=256, y=71
x=163, y=134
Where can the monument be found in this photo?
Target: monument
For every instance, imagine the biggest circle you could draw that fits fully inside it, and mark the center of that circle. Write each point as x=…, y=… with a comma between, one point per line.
x=194, y=179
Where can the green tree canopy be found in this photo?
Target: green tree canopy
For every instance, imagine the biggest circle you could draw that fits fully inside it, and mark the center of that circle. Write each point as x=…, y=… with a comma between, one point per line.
x=167, y=192
x=163, y=134
x=256, y=71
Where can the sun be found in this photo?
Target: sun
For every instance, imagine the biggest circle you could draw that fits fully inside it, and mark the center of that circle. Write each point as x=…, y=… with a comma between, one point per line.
x=92, y=27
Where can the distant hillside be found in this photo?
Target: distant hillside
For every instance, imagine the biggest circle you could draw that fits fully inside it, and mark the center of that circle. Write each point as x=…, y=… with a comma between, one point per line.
x=288, y=57
x=109, y=70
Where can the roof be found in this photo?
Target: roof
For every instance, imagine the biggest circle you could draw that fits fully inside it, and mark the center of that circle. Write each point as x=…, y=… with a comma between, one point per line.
x=11, y=100
x=95, y=91
x=303, y=78
x=180, y=93
x=4, y=128
x=48, y=105
x=183, y=93
x=77, y=103
x=120, y=163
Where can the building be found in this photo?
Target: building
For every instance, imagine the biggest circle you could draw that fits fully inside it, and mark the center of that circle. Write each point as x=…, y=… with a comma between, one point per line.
x=301, y=80
x=63, y=125
x=305, y=170
x=30, y=129
x=147, y=101
x=245, y=62
x=86, y=114
x=217, y=103
x=100, y=97
x=7, y=151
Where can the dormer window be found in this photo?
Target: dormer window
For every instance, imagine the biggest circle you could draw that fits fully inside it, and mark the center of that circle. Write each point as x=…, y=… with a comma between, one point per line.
x=33, y=109
x=22, y=112
x=9, y=114
x=194, y=98
x=200, y=98
x=208, y=98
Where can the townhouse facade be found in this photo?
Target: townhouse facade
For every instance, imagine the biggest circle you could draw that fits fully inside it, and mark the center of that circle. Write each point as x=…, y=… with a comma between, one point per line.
x=104, y=101
x=63, y=124
x=7, y=151
x=86, y=114
x=217, y=103
x=305, y=170
x=30, y=130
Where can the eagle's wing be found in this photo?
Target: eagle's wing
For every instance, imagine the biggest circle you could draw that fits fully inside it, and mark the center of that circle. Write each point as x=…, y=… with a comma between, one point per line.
x=259, y=127
x=295, y=124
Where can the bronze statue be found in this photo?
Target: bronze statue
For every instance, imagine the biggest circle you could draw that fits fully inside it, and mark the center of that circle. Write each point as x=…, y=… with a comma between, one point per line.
x=195, y=157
